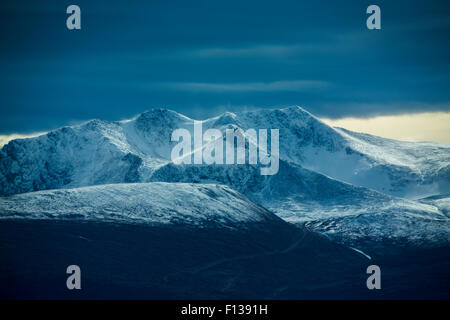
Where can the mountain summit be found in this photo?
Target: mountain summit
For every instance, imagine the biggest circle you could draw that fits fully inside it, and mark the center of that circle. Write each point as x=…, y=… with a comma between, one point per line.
x=99, y=152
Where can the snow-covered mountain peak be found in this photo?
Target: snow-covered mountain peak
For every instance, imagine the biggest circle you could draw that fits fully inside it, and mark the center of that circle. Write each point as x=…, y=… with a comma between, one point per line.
x=97, y=152
x=225, y=119
x=159, y=117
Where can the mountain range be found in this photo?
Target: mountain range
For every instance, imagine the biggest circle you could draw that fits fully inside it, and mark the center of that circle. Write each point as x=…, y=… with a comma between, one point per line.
x=356, y=192
x=328, y=176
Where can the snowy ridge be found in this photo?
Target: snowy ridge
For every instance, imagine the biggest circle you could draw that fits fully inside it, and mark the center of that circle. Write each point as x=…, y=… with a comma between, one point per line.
x=99, y=152
x=397, y=168
x=442, y=202
x=161, y=203
x=397, y=227
x=93, y=153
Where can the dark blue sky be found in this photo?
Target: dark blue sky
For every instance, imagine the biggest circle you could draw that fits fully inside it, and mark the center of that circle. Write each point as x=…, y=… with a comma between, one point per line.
x=203, y=57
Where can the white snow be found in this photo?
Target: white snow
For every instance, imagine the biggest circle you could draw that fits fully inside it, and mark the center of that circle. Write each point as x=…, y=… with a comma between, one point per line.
x=361, y=252
x=162, y=203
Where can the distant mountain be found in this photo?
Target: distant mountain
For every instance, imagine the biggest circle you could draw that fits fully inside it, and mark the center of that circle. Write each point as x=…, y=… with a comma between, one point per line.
x=99, y=152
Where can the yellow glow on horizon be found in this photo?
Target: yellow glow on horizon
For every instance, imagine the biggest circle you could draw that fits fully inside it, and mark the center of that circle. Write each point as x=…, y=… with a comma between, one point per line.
x=427, y=126
x=5, y=138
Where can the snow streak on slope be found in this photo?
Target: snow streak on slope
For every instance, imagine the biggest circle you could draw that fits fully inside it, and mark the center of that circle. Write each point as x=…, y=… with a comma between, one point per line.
x=162, y=203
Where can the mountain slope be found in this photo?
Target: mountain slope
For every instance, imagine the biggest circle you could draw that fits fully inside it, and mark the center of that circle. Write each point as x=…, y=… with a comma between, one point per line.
x=393, y=167
x=154, y=203
x=96, y=152
x=347, y=213
x=158, y=240
x=207, y=251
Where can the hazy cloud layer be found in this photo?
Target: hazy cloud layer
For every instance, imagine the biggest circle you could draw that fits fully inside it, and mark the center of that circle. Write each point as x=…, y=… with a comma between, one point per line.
x=297, y=85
